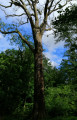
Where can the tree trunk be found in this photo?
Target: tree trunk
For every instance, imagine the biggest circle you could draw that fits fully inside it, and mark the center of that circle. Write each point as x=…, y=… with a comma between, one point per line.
x=39, y=103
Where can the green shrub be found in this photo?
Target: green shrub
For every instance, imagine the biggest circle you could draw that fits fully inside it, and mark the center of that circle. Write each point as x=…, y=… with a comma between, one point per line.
x=24, y=109
x=23, y=112
x=60, y=101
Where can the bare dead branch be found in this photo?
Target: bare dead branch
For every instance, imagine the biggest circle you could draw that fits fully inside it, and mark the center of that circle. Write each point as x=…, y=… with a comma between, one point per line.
x=55, y=9
x=22, y=23
x=50, y=6
x=30, y=3
x=35, y=14
x=26, y=11
x=6, y=6
x=43, y=25
x=57, y=4
x=15, y=15
x=23, y=6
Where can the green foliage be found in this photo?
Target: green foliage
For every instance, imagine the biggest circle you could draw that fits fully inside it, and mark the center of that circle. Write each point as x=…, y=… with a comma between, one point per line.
x=68, y=72
x=16, y=79
x=66, y=29
x=52, y=75
x=66, y=23
x=48, y=72
x=23, y=111
x=60, y=101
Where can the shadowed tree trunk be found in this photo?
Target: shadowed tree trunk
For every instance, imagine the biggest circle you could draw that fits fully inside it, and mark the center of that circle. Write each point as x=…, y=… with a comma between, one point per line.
x=39, y=102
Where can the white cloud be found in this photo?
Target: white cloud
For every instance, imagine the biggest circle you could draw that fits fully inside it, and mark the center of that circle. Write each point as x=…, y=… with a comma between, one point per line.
x=50, y=41
x=51, y=58
x=5, y=44
x=53, y=51
x=1, y=36
x=54, y=64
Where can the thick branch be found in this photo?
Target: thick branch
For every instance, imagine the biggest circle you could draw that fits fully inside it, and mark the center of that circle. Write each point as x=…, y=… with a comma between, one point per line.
x=45, y=10
x=29, y=45
x=29, y=15
x=45, y=14
x=43, y=25
x=36, y=14
x=8, y=32
x=17, y=3
x=50, y=6
x=22, y=2
x=24, y=39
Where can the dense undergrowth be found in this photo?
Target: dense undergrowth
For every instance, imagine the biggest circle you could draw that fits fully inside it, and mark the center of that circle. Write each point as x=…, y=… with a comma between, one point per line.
x=60, y=105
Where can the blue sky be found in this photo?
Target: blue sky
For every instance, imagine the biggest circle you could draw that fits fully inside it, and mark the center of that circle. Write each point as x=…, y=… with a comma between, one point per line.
x=53, y=51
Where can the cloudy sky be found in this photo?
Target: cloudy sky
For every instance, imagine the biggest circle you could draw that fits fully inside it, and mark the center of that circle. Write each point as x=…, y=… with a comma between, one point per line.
x=53, y=51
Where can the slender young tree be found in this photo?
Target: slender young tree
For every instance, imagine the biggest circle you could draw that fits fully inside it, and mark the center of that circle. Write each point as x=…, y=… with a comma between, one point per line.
x=39, y=18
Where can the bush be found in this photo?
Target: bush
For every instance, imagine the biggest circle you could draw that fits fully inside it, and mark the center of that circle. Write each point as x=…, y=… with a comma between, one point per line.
x=60, y=101
x=23, y=110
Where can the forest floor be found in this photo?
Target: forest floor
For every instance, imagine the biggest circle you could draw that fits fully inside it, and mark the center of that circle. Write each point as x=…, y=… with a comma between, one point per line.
x=55, y=118
x=65, y=118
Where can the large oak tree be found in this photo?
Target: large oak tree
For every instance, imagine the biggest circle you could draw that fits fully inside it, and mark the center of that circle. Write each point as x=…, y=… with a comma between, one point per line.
x=39, y=18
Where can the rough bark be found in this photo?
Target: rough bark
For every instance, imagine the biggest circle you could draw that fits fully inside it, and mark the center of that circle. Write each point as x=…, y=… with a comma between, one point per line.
x=39, y=103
